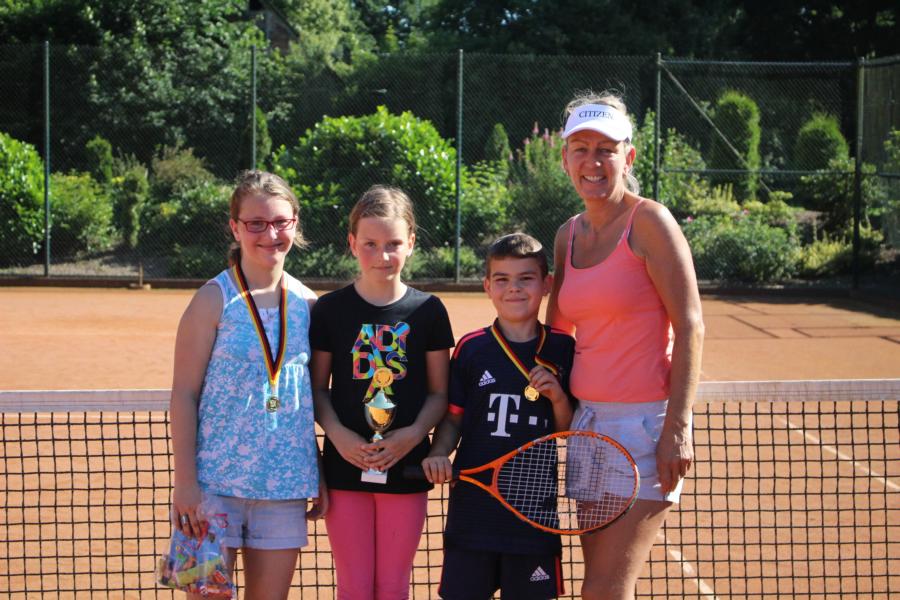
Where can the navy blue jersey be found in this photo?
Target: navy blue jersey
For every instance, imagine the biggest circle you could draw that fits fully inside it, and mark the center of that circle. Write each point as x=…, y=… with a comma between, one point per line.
x=487, y=389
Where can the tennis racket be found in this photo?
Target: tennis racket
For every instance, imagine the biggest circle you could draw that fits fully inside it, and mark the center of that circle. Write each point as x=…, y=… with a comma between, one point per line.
x=570, y=482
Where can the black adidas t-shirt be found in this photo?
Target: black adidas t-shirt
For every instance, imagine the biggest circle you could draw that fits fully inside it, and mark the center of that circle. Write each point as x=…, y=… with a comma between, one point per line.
x=497, y=418
x=362, y=337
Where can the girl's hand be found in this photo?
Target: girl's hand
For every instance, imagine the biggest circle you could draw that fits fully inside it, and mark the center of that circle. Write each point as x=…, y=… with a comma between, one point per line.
x=352, y=447
x=319, y=505
x=674, y=456
x=547, y=384
x=186, y=497
x=396, y=444
x=438, y=469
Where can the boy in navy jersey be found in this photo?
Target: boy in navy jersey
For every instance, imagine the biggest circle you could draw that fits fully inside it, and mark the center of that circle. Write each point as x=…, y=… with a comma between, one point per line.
x=503, y=392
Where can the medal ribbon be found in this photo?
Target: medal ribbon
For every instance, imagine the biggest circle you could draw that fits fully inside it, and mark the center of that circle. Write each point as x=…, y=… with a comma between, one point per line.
x=273, y=364
x=504, y=344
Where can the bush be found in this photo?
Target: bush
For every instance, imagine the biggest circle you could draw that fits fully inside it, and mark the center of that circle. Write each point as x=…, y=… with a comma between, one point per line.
x=542, y=196
x=685, y=194
x=329, y=262
x=175, y=170
x=891, y=220
x=194, y=217
x=819, y=142
x=826, y=257
x=736, y=115
x=263, y=142
x=741, y=248
x=130, y=189
x=832, y=194
x=195, y=261
x=340, y=158
x=497, y=147
x=440, y=263
x=100, y=159
x=82, y=215
x=21, y=201
x=484, y=203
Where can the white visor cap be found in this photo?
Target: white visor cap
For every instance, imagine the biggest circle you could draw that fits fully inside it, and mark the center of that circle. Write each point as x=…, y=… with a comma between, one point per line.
x=600, y=118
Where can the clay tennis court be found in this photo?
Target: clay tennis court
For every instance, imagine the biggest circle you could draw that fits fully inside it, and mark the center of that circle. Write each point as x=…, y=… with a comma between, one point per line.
x=789, y=499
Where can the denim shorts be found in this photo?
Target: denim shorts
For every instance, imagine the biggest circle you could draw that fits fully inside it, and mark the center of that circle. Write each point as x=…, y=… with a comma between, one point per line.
x=637, y=426
x=262, y=524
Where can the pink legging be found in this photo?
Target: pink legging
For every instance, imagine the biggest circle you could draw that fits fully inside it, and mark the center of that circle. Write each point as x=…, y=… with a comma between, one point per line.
x=373, y=539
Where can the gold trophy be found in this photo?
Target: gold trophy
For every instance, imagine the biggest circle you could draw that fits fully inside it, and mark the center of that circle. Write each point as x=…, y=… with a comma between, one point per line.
x=379, y=416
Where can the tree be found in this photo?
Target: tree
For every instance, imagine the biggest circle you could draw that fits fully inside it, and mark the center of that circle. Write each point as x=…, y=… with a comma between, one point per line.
x=145, y=73
x=596, y=27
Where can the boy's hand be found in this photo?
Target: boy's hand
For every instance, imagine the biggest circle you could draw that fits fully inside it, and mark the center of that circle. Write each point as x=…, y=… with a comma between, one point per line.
x=547, y=384
x=438, y=469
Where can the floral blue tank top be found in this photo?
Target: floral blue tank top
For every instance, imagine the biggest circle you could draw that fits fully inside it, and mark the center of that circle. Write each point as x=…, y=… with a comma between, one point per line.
x=243, y=450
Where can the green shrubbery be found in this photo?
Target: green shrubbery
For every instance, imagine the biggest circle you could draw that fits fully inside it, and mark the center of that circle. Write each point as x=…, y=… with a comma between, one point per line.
x=819, y=142
x=736, y=115
x=541, y=194
x=741, y=248
x=21, y=201
x=82, y=216
x=340, y=158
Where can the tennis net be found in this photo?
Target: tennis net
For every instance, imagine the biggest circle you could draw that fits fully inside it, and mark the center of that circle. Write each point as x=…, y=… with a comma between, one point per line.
x=795, y=494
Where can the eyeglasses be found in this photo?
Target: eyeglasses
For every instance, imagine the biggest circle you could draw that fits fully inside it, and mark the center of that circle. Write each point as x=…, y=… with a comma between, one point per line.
x=259, y=225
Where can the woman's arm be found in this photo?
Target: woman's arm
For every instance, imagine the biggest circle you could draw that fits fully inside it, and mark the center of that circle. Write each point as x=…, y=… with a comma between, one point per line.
x=553, y=317
x=193, y=347
x=350, y=445
x=658, y=239
x=398, y=442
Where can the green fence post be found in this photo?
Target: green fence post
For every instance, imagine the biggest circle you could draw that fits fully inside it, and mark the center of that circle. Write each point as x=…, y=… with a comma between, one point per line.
x=656, y=122
x=459, y=151
x=857, y=182
x=253, y=106
x=46, y=158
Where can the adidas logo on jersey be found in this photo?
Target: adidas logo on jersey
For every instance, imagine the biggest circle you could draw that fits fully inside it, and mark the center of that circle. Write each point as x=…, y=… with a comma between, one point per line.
x=539, y=575
x=486, y=379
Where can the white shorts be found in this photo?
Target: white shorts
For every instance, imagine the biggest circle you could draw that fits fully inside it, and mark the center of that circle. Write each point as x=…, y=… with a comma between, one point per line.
x=637, y=426
x=262, y=524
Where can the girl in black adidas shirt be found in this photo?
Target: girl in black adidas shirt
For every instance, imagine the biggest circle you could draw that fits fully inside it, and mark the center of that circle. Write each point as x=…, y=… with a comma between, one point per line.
x=377, y=336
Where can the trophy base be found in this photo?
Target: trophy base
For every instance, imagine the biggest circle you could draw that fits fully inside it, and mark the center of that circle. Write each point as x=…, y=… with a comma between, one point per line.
x=374, y=476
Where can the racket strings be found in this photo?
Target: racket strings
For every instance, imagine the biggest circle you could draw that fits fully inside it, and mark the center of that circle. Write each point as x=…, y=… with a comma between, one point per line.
x=571, y=483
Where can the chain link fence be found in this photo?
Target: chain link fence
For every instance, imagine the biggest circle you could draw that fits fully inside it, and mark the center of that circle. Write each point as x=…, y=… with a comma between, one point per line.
x=778, y=172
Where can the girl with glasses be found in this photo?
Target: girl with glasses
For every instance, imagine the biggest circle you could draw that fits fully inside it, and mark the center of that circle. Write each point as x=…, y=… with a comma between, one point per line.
x=242, y=409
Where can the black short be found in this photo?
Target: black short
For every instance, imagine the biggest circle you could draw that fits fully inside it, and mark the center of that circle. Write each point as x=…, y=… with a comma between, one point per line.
x=476, y=575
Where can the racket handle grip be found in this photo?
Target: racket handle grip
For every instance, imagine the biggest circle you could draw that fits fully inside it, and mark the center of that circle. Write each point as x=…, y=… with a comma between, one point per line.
x=414, y=472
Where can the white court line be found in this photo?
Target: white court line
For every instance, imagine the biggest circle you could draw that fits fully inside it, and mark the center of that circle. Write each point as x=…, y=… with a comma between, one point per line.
x=688, y=569
x=815, y=440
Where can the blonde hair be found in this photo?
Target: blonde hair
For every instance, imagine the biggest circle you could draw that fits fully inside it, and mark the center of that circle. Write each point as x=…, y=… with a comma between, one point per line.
x=383, y=202
x=609, y=98
x=255, y=183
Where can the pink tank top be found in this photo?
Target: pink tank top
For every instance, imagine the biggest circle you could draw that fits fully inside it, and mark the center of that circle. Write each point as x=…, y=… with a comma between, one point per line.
x=622, y=338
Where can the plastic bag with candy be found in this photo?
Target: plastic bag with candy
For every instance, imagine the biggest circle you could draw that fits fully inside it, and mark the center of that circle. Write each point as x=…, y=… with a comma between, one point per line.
x=197, y=565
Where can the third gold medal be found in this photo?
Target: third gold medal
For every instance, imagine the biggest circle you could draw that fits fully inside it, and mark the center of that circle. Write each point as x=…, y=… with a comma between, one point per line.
x=530, y=392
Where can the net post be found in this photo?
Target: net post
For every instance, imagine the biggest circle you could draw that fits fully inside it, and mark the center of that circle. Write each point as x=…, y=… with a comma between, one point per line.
x=46, y=158
x=253, y=106
x=857, y=178
x=656, y=123
x=459, y=151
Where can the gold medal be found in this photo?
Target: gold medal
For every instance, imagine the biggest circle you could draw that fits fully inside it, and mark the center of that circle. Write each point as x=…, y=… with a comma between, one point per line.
x=383, y=377
x=272, y=404
x=531, y=393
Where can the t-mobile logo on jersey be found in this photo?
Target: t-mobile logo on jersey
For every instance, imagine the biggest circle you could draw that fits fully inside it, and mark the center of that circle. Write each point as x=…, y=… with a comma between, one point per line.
x=506, y=407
